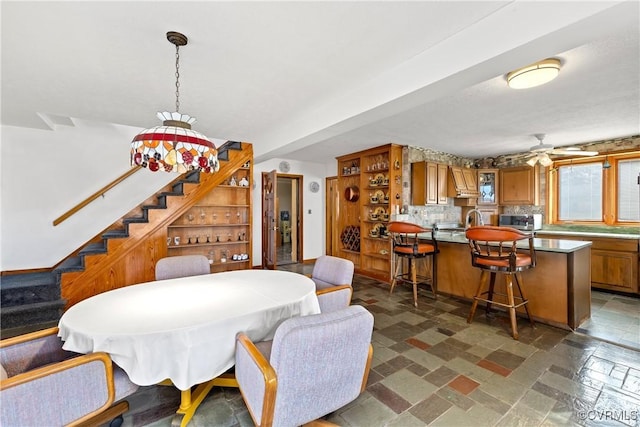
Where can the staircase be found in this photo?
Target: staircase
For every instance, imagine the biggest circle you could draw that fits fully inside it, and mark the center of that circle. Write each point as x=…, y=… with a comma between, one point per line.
x=122, y=255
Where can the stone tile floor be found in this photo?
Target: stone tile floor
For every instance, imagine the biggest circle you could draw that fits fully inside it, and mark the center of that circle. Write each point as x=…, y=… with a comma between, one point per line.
x=432, y=368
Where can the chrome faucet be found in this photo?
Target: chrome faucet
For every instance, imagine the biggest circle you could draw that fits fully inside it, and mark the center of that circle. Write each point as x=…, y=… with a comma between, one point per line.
x=467, y=222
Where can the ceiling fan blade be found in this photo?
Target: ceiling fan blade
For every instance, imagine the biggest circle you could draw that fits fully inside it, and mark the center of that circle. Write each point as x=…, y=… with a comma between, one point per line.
x=573, y=152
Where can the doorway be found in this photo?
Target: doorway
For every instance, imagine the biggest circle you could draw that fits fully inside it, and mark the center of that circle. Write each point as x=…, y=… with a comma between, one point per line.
x=288, y=211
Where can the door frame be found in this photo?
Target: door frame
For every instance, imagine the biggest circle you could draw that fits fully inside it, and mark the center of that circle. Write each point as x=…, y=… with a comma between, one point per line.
x=332, y=203
x=297, y=226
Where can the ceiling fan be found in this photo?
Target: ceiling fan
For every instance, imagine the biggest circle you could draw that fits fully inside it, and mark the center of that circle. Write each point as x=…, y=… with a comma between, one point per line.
x=540, y=153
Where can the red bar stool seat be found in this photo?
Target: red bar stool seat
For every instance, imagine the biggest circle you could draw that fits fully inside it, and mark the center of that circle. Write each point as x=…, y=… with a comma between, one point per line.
x=407, y=245
x=493, y=251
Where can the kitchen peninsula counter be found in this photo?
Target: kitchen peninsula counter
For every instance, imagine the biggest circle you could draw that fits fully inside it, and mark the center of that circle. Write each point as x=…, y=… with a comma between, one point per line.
x=558, y=288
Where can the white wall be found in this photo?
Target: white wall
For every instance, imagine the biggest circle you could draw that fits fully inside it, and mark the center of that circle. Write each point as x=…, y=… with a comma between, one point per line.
x=313, y=205
x=44, y=173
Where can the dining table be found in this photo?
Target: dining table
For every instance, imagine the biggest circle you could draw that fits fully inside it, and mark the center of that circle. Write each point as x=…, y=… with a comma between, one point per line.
x=183, y=331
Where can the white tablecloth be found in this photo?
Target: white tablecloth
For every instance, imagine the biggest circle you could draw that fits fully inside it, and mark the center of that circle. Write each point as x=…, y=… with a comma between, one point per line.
x=184, y=329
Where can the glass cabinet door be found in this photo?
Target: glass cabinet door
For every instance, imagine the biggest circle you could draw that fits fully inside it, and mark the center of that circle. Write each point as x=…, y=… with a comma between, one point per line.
x=487, y=187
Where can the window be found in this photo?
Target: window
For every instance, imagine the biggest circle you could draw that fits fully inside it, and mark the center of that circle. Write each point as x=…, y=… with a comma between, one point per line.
x=584, y=190
x=580, y=192
x=629, y=190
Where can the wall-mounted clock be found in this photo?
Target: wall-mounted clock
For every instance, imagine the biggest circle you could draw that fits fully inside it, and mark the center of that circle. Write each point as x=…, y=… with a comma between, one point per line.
x=314, y=187
x=284, y=167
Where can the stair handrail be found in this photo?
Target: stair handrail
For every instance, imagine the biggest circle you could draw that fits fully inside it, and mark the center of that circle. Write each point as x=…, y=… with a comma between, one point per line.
x=95, y=195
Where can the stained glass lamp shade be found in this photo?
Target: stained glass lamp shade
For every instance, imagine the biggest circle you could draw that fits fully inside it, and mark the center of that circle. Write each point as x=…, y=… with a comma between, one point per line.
x=174, y=147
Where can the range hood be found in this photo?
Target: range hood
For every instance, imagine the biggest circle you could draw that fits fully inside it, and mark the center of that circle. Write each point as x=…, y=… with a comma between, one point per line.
x=462, y=183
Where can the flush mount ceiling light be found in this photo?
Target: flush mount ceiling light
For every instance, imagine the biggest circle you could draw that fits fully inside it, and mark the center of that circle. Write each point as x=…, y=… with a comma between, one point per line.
x=534, y=75
x=174, y=147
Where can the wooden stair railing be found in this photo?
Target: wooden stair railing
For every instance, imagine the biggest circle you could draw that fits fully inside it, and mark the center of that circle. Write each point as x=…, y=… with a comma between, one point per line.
x=132, y=259
x=95, y=195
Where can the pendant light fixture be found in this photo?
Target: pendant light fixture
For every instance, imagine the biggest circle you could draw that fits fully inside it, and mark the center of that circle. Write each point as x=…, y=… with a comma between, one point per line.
x=534, y=75
x=174, y=146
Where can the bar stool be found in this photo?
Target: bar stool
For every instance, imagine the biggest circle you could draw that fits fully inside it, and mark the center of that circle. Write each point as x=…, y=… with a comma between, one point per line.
x=406, y=245
x=493, y=250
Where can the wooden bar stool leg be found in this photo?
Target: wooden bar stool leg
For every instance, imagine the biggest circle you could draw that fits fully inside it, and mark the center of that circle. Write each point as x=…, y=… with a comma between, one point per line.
x=474, y=305
x=395, y=273
x=512, y=307
x=434, y=277
x=414, y=279
x=520, y=285
x=492, y=284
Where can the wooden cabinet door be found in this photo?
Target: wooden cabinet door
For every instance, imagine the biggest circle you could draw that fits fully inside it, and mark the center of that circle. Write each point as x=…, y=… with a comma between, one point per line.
x=442, y=183
x=487, y=187
x=458, y=179
x=432, y=183
x=470, y=183
x=429, y=183
x=614, y=270
x=519, y=186
x=418, y=183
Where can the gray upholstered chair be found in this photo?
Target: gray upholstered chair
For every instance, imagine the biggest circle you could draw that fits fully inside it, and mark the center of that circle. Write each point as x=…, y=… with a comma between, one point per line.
x=182, y=266
x=43, y=385
x=332, y=271
x=334, y=298
x=314, y=365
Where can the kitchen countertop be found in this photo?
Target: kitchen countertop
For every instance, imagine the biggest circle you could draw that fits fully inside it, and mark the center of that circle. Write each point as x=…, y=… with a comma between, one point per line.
x=590, y=234
x=544, y=245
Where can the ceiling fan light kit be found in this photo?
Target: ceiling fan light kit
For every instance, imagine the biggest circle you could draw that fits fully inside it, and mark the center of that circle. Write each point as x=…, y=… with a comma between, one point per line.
x=534, y=75
x=540, y=153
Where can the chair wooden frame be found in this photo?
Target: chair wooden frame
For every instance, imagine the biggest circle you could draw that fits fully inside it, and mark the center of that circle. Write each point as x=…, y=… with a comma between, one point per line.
x=406, y=244
x=494, y=250
x=100, y=415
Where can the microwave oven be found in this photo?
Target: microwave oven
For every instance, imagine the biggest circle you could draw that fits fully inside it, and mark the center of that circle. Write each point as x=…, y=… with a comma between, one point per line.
x=527, y=222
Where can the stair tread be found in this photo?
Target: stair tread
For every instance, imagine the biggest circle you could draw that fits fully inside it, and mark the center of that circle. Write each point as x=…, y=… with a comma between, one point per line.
x=136, y=219
x=115, y=234
x=28, y=279
x=33, y=306
x=93, y=248
x=69, y=264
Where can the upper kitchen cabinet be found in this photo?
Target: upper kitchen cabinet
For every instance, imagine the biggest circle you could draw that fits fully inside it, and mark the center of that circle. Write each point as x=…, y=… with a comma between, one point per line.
x=462, y=182
x=428, y=183
x=519, y=185
x=488, y=187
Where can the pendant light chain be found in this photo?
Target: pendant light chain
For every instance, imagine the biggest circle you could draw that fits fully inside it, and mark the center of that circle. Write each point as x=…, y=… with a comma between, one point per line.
x=177, y=78
x=174, y=146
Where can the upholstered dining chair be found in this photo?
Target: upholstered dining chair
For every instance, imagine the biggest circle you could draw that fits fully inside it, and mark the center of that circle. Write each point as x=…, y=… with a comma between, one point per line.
x=314, y=365
x=182, y=266
x=334, y=298
x=43, y=385
x=332, y=271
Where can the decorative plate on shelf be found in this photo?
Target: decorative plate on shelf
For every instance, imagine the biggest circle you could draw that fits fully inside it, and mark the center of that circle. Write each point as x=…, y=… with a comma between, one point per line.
x=352, y=193
x=380, y=211
x=379, y=194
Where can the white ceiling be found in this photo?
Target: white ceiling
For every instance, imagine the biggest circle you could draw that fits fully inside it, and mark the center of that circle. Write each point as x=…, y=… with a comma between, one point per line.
x=314, y=80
